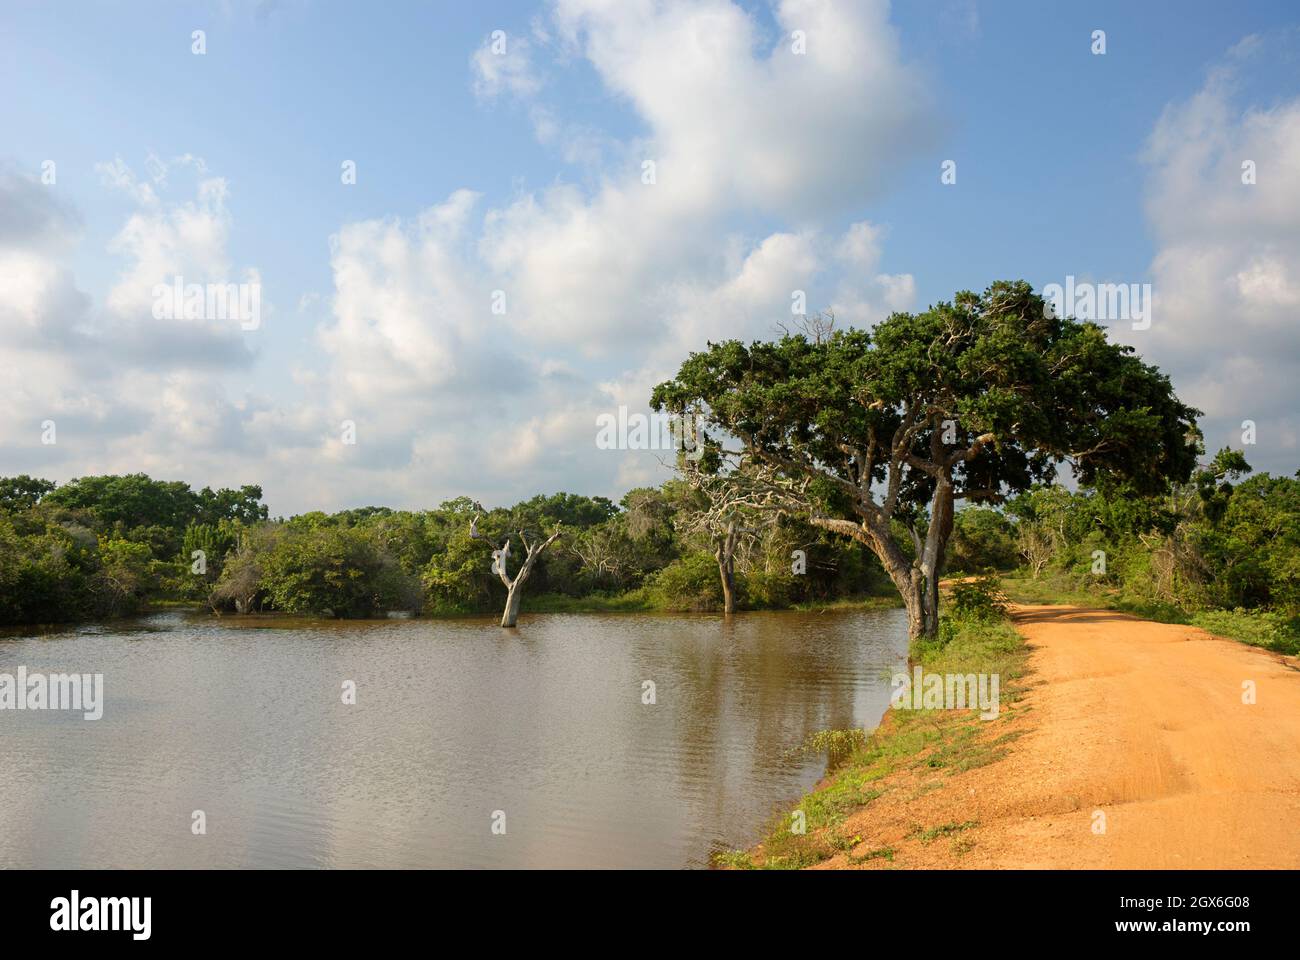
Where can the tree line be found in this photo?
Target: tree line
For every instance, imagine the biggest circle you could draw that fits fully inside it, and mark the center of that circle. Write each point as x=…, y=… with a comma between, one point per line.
x=114, y=545
x=110, y=546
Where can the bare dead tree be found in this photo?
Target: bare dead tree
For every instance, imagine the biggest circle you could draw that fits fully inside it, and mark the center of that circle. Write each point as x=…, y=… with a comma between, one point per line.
x=598, y=549
x=817, y=327
x=735, y=508
x=500, y=557
x=1037, y=546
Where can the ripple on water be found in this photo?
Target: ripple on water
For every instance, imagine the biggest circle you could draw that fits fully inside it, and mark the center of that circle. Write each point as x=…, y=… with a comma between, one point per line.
x=454, y=720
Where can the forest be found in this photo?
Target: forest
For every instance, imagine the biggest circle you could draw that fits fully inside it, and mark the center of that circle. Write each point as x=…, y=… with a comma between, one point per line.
x=1222, y=550
x=111, y=546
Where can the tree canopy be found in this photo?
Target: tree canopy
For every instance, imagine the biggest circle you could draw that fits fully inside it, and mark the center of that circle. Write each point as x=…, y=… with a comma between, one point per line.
x=969, y=400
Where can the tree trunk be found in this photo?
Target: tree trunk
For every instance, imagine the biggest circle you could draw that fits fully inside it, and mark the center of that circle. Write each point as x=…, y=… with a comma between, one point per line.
x=914, y=593
x=930, y=562
x=726, y=557
x=917, y=580
x=513, y=596
x=514, y=588
x=728, y=587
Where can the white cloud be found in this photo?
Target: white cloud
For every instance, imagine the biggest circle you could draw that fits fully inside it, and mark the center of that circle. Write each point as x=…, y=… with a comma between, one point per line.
x=126, y=392
x=609, y=282
x=119, y=176
x=735, y=127
x=503, y=64
x=1226, y=275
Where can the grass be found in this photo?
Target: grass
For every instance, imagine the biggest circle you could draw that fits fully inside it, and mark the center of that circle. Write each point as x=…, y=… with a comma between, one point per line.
x=961, y=845
x=837, y=745
x=871, y=602
x=930, y=742
x=733, y=860
x=634, y=601
x=880, y=853
x=642, y=600
x=931, y=834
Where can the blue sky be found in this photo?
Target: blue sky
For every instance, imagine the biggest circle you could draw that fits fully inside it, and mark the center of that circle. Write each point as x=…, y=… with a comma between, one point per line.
x=525, y=170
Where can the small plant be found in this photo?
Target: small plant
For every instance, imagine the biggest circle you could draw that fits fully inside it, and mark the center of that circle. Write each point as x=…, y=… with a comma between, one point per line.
x=943, y=830
x=733, y=859
x=981, y=601
x=880, y=853
x=838, y=745
x=845, y=844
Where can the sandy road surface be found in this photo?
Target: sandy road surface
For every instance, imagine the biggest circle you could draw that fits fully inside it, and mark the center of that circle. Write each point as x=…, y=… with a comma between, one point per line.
x=1142, y=721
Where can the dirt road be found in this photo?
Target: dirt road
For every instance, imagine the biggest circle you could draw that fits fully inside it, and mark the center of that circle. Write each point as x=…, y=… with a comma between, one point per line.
x=1143, y=723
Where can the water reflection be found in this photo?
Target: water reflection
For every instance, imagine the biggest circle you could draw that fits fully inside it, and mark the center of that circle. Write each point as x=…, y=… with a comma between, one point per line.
x=454, y=720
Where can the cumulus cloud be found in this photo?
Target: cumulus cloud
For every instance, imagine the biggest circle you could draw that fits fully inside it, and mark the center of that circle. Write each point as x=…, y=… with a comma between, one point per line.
x=124, y=391
x=702, y=225
x=738, y=124
x=741, y=117
x=1226, y=275
x=607, y=286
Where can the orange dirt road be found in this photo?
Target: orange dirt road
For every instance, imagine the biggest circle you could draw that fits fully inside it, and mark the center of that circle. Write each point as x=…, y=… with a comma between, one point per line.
x=1145, y=723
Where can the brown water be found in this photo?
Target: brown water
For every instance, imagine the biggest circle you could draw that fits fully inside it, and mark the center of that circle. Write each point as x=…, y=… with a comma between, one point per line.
x=454, y=720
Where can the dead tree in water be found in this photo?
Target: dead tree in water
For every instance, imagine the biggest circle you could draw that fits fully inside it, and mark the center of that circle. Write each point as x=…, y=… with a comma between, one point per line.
x=500, y=555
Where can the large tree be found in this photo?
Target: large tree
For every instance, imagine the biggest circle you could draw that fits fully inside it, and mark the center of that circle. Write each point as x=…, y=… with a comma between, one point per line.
x=881, y=434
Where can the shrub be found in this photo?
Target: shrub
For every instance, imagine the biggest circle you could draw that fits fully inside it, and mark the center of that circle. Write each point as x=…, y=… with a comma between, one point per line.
x=767, y=591
x=336, y=571
x=979, y=601
x=689, y=583
x=982, y=539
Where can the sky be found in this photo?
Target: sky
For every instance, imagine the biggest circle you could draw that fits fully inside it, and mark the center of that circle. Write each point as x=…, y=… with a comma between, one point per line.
x=473, y=229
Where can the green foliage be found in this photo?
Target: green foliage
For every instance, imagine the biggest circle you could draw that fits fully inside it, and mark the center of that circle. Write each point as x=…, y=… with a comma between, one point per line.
x=768, y=591
x=690, y=583
x=999, y=363
x=126, y=574
x=1259, y=628
x=836, y=745
x=978, y=601
x=459, y=578
x=214, y=540
x=336, y=571
x=1214, y=482
x=970, y=401
x=1252, y=544
x=52, y=573
x=1220, y=552
x=982, y=539
x=107, y=546
x=22, y=492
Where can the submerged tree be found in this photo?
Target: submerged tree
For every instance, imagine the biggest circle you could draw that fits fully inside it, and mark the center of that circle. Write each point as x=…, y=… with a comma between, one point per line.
x=500, y=557
x=970, y=400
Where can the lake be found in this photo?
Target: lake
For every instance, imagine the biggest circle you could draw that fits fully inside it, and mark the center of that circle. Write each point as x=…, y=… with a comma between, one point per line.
x=458, y=726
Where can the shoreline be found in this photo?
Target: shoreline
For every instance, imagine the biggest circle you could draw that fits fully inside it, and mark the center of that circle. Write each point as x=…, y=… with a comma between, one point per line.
x=942, y=740
x=1126, y=743
x=550, y=604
